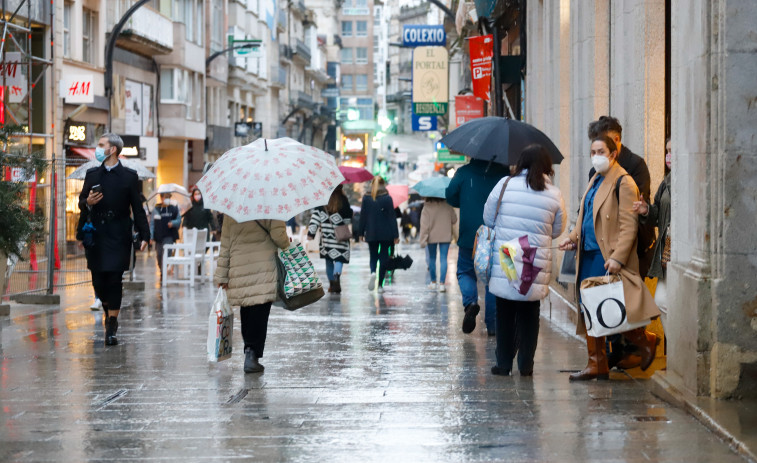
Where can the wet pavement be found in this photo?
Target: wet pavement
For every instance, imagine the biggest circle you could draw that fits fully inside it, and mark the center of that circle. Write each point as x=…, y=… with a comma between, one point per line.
x=357, y=377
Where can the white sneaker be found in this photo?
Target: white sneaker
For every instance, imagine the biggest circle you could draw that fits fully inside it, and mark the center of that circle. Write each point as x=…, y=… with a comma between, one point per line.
x=380, y=290
x=442, y=288
x=372, y=282
x=432, y=286
x=97, y=305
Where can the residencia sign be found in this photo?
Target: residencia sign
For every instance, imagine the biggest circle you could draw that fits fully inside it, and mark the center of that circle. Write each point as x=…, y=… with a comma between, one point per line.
x=430, y=80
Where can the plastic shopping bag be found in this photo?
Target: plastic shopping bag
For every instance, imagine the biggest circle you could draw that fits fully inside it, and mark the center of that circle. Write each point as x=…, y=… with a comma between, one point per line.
x=220, y=328
x=483, y=250
x=604, y=307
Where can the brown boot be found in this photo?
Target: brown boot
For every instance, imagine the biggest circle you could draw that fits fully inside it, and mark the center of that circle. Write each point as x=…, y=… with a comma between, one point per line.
x=629, y=361
x=597, y=367
x=332, y=285
x=646, y=343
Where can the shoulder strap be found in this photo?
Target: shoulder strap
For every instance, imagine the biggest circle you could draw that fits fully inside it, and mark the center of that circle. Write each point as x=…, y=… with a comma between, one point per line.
x=264, y=229
x=617, y=188
x=501, y=194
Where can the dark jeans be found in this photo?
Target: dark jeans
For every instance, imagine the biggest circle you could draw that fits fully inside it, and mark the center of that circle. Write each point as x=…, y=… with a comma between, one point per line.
x=380, y=253
x=255, y=326
x=521, y=319
x=466, y=279
x=109, y=288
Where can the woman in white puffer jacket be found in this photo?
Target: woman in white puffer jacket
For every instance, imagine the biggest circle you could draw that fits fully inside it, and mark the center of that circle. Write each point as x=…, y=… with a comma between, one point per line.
x=531, y=206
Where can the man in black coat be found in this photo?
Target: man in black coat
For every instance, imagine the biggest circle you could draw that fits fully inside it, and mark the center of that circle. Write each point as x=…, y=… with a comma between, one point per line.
x=108, y=199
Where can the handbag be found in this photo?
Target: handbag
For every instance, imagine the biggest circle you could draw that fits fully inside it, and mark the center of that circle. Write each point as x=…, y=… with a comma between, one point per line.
x=604, y=308
x=342, y=232
x=483, y=246
x=665, y=258
x=220, y=328
x=298, y=283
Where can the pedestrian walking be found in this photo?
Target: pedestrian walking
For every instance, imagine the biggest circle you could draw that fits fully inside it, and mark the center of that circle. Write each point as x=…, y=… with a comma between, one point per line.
x=605, y=236
x=247, y=270
x=334, y=220
x=378, y=227
x=438, y=221
x=658, y=215
x=469, y=189
x=531, y=206
x=164, y=229
x=109, y=197
x=197, y=216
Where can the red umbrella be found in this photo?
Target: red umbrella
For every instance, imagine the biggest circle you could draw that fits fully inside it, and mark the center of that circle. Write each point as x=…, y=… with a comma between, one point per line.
x=399, y=193
x=355, y=174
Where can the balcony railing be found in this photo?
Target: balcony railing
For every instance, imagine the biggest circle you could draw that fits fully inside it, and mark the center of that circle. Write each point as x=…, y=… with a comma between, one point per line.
x=150, y=28
x=305, y=100
x=281, y=19
x=303, y=51
x=285, y=52
x=278, y=76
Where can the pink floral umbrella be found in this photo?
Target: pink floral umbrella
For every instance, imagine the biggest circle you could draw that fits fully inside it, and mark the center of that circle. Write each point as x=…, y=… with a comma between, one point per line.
x=270, y=179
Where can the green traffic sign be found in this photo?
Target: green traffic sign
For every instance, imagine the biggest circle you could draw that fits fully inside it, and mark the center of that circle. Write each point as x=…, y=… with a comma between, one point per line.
x=430, y=109
x=443, y=155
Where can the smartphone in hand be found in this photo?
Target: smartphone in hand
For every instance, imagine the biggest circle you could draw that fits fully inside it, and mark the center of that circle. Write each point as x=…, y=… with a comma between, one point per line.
x=97, y=188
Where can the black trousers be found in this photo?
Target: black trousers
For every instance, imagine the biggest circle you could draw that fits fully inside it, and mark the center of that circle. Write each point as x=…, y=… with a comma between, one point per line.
x=517, y=330
x=109, y=288
x=379, y=252
x=255, y=326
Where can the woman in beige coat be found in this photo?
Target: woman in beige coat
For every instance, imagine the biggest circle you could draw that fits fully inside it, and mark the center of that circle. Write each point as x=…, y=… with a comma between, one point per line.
x=438, y=221
x=247, y=270
x=605, y=234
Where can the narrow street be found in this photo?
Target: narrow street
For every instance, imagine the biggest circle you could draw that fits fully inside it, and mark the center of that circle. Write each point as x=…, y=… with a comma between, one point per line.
x=361, y=377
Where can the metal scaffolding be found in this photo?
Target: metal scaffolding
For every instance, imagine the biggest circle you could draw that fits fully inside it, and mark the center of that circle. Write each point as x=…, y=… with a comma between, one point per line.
x=27, y=29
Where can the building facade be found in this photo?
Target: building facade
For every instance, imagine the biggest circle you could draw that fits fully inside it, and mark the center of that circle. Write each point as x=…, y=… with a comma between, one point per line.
x=666, y=69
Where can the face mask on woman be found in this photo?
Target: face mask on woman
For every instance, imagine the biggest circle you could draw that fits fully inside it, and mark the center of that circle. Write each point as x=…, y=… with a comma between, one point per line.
x=668, y=159
x=197, y=198
x=601, y=163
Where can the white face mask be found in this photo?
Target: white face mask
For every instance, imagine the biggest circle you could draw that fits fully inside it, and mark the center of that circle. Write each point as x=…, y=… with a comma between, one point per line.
x=601, y=164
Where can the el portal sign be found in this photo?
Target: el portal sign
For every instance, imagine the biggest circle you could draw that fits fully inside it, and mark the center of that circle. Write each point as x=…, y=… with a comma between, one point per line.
x=423, y=36
x=430, y=81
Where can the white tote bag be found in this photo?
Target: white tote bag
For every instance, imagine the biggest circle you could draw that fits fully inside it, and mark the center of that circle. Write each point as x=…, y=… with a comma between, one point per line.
x=220, y=328
x=604, y=307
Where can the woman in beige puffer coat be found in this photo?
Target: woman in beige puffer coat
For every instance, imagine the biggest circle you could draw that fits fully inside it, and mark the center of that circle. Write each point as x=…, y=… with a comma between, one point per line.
x=438, y=221
x=247, y=270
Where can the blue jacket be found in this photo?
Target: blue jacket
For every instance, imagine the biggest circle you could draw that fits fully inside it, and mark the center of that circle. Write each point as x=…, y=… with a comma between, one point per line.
x=468, y=190
x=378, y=221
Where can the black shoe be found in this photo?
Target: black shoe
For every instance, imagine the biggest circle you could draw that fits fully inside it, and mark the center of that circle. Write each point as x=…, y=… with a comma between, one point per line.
x=498, y=371
x=251, y=364
x=469, y=321
x=527, y=373
x=111, y=327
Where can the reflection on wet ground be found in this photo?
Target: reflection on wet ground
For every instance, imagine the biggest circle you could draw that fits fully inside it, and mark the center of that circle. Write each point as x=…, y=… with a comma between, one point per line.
x=355, y=377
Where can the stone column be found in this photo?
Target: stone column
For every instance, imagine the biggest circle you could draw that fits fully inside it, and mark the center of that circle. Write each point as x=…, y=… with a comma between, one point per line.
x=712, y=335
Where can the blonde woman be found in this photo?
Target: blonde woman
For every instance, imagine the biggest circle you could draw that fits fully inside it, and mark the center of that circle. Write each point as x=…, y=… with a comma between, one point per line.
x=378, y=227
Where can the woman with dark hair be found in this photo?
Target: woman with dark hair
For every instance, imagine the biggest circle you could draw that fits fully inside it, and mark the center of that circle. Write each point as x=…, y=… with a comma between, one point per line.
x=658, y=214
x=197, y=216
x=532, y=207
x=378, y=226
x=438, y=221
x=605, y=237
x=336, y=252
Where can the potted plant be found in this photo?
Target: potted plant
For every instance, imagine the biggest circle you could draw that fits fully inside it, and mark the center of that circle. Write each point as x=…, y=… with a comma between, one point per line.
x=19, y=224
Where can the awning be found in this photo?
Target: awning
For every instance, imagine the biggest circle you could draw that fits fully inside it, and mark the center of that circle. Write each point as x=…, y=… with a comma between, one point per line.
x=88, y=153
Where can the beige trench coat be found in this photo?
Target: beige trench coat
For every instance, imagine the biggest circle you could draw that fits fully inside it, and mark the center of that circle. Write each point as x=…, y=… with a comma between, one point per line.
x=246, y=262
x=615, y=228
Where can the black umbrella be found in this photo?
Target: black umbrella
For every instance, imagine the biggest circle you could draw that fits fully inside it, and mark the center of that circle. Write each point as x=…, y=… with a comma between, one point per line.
x=498, y=139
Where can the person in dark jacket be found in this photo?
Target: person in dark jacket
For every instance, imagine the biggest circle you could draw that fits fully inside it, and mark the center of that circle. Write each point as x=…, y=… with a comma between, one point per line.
x=109, y=198
x=197, y=216
x=165, y=227
x=378, y=227
x=336, y=252
x=468, y=190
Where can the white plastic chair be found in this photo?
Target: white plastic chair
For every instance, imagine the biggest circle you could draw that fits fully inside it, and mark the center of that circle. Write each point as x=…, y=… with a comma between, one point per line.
x=187, y=255
x=213, y=250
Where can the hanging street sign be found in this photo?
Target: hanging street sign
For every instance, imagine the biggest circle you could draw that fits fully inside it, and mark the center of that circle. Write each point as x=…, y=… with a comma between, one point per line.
x=443, y=155
x=423, y=36
x=253, y=51
x=430, y=81
x=424, y=123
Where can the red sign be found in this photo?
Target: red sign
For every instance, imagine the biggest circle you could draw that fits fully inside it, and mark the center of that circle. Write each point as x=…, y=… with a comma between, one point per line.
x=468, y=107
x=481, y=53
